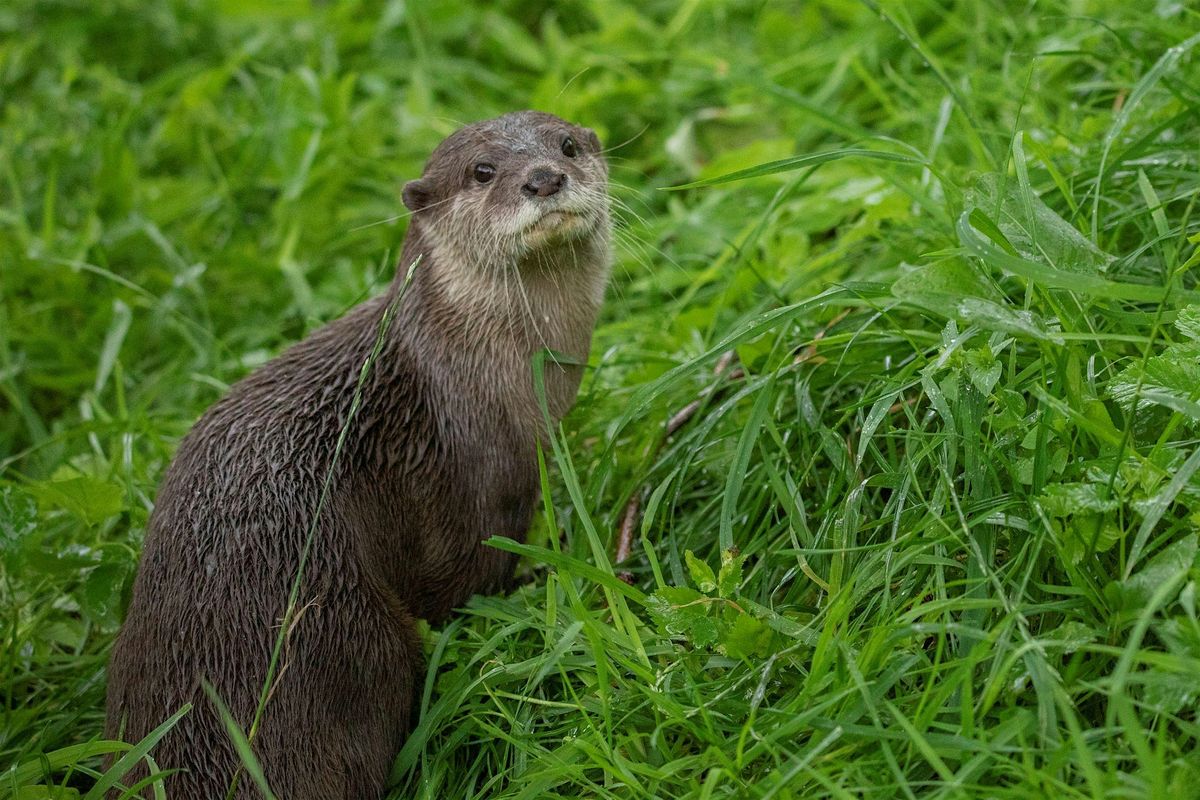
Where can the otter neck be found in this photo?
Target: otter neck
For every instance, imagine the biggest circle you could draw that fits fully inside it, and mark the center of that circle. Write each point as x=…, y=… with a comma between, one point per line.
x=490, y=320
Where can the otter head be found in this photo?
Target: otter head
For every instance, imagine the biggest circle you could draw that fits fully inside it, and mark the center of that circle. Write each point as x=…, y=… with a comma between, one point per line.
x=527, y=190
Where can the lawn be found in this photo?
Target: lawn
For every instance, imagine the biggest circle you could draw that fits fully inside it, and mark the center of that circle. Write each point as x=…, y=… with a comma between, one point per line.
x=897, y=402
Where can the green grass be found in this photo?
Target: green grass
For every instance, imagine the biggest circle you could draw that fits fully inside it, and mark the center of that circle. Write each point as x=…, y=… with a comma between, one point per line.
x=959, y=465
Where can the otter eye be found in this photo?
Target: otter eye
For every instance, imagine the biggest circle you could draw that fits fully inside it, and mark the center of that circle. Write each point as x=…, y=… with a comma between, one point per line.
x=484, y=172
x=568, y=148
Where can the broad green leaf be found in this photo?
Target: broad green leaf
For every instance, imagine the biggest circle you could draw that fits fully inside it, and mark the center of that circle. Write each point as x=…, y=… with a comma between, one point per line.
x=702, y=574
x=103, y=590
x=91, y=499
x=730, y=576
x=1134, y=592
x=1033, y=230
x=1089, y=533
x=940, y=285
x=1065, y=499
x=983, y=369
x=1188, y=322
x=1047, y=276
x=1168, y=692
x=1070, y=636
x=952, y=290
x=682, y=611
x=1170, y=379
x=996, y=316
x=746, y=637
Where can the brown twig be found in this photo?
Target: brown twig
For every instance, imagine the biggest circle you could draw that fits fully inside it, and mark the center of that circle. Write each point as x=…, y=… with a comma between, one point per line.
x=628, y=523
x=681, y=417
x=810, y=352
x=901, y=403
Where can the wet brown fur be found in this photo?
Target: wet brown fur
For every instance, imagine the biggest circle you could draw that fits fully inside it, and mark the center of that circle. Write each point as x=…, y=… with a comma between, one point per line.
x=440, y=456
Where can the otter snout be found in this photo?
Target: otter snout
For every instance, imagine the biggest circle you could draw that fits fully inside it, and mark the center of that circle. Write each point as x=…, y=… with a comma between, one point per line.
x=544, y=182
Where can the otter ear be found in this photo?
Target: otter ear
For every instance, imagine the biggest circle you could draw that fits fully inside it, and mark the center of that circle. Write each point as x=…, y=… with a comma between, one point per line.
x=417, y=194
x=593, y=140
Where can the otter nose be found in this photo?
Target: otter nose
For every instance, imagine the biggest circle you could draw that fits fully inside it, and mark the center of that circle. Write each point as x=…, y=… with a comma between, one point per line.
x=543, y=183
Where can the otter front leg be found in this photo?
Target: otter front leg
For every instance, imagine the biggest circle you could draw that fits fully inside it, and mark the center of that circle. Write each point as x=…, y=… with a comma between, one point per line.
x=449, y=581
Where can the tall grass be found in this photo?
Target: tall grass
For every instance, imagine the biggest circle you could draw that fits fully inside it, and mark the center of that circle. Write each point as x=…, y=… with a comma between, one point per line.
x=933, y=533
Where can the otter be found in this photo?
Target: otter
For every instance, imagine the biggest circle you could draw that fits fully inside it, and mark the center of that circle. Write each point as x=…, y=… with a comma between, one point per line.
x=510, y=234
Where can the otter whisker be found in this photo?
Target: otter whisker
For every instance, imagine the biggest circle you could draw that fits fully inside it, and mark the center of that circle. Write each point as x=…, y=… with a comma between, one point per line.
x=628, y=141
x=397, y=217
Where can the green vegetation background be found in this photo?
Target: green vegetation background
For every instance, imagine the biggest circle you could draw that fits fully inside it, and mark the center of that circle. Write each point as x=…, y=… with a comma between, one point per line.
x=959, y=466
